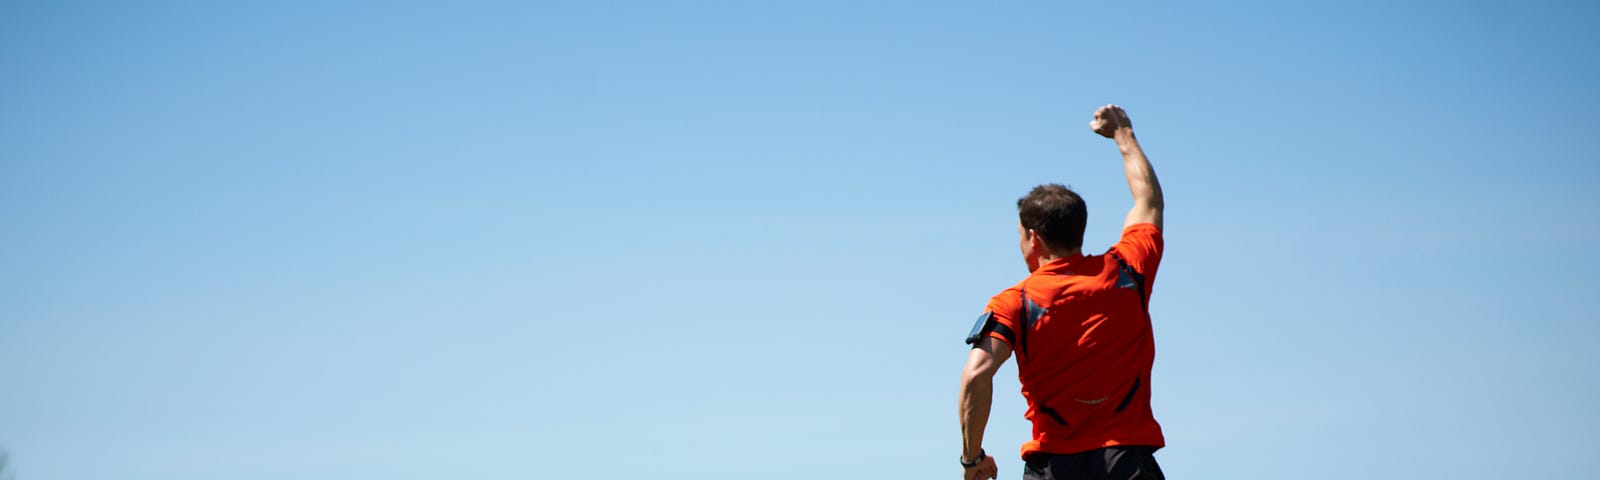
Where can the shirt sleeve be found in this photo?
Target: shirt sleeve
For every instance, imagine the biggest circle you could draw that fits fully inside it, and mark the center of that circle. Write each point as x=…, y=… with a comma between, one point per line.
x=1141, y=246
x=1005, y=309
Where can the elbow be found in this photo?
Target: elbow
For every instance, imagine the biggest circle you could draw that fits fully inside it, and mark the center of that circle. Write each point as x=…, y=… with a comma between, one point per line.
x=977, y=380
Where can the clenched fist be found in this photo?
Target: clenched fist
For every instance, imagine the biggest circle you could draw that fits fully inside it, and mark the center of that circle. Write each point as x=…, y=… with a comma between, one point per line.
x=1109, y=119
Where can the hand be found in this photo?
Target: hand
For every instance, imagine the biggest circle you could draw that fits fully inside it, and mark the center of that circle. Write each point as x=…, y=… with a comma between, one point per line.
x=1111, y=120
x=985, y=469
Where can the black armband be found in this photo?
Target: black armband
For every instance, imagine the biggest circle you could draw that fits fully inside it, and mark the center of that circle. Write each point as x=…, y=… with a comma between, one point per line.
x=981, y=329
x=987, y=323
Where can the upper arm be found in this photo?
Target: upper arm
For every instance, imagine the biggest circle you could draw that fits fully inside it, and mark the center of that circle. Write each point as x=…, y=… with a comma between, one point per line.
x=986, y=357
x=992, y=335
x=1141, y=246
x=1143, y=212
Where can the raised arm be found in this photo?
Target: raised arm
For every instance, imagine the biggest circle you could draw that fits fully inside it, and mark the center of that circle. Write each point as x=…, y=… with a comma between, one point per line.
x=1112, y=122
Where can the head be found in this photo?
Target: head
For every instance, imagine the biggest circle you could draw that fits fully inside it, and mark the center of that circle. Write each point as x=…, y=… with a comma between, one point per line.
x=1050, y=220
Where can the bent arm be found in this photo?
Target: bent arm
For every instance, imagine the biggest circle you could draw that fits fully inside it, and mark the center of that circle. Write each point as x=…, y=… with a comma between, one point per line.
x=977, y=392
x=1147, y=200
x=1112, y=122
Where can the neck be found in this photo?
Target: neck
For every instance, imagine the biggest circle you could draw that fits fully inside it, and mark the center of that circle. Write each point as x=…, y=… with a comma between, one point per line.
x=1048, y=257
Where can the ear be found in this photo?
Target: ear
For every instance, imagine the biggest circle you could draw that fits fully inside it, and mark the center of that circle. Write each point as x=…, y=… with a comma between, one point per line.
x=1037, y=242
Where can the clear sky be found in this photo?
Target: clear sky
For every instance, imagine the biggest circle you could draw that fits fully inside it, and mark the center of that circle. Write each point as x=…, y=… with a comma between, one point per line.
x=410, y=240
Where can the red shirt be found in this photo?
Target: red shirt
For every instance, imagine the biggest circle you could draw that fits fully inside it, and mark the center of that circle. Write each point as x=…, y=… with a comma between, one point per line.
x=1084, y=348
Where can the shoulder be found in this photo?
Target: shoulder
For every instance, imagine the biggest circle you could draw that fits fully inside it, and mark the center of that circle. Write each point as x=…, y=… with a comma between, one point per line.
x=1139, y=241
x=1142, y=230
x=1007, y=299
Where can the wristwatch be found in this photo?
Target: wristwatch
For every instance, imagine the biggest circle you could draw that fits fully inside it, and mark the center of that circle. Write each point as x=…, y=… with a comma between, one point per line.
x=975, y=461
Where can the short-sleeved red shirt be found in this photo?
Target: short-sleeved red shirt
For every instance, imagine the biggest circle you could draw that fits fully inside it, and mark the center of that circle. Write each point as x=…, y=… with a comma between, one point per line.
x=1081, y=334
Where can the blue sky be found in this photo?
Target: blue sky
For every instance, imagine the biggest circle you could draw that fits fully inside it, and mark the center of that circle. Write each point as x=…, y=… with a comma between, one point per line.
x=728, y=239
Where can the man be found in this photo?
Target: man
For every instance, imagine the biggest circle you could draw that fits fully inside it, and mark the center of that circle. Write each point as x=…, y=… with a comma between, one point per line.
x=1080, y=327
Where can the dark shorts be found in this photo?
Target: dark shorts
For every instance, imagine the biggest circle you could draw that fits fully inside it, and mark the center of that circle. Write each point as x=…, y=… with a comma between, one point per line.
x=1110, y=463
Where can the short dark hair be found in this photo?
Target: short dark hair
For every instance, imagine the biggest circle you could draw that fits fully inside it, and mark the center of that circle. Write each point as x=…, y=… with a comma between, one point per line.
x=1056, y=213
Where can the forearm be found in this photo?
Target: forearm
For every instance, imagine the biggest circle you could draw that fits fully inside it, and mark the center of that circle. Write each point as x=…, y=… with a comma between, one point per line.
x=1142, y=180
x=977, y=392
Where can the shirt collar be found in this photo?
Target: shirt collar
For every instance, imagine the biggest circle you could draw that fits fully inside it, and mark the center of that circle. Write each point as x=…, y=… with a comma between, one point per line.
x=1060, y=265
